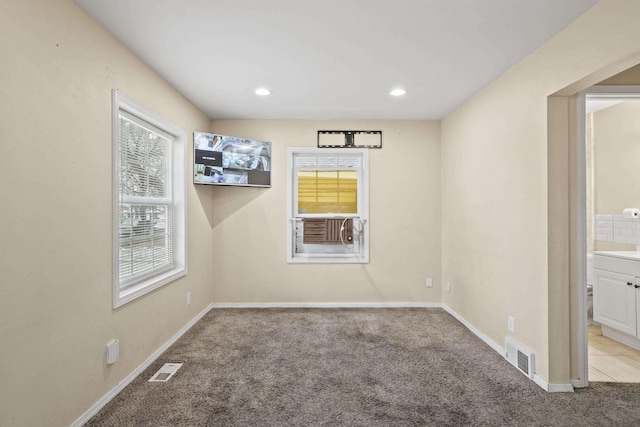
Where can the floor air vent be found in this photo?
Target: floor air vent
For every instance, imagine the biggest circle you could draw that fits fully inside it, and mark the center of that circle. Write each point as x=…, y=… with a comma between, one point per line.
x=166, y=372
x=520, y=357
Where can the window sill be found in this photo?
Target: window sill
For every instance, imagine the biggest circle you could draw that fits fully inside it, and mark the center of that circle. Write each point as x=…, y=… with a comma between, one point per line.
x=133, y=292
x=328, y=260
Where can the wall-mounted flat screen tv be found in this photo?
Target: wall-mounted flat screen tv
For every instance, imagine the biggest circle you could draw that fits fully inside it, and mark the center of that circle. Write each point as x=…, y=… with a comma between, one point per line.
x=228, y=160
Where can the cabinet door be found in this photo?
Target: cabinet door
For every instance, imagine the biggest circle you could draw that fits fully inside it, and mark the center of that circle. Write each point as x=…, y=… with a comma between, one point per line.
x=614, y=301
x=637, y=286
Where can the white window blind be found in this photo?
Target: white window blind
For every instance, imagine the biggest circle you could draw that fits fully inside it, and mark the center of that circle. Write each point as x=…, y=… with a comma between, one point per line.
x=145, y=201
x=149, y=162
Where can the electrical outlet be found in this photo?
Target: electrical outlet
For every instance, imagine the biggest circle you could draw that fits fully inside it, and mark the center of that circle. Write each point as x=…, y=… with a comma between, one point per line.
x=429, y=282
x=447, y=286
x=113, y=352
x=188, y=298
x=511, y=324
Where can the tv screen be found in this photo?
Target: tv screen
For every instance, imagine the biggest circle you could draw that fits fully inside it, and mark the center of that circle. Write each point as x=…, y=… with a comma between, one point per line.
x=228, y=160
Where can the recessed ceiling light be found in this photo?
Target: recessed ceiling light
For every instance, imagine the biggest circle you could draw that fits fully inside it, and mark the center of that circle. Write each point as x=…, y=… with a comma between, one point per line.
x=398, y=92
x=263, y=91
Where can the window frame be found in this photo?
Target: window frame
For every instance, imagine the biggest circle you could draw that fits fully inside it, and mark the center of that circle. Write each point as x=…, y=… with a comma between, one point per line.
x=362, y=206
x=177, y=200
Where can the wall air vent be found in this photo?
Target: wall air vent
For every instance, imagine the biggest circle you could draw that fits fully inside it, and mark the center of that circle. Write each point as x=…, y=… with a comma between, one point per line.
x=165, y=373
x=520, y=357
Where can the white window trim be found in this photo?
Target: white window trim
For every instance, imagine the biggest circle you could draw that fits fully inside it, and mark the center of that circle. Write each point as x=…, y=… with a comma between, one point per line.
x=178, y=192
x=363, y=208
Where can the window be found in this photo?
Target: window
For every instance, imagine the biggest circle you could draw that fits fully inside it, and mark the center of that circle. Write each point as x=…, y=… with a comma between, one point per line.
x=328, y=206
x=149, y=201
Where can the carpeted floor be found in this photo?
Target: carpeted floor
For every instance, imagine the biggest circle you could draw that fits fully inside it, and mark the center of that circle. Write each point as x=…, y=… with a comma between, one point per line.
x=351, y=367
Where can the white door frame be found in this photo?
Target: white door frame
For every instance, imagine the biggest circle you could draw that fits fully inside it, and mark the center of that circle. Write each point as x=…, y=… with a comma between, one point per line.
x=595, y=92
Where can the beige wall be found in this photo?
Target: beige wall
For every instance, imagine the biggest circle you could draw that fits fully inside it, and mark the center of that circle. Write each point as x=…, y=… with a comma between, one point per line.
x=616, y=140
x=589, y=184
x=630, y=76
x=496, y=170
x=58, y=70
x=250, y=224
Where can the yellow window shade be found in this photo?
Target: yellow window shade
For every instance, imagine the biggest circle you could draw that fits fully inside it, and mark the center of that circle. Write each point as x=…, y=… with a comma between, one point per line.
x=328, y=191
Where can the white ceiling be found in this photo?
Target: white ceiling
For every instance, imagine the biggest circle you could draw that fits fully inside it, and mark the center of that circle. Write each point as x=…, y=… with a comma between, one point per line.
x=332, y=59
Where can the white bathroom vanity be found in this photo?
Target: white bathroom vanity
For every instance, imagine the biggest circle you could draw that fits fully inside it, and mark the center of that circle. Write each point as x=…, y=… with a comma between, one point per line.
x=616, y=295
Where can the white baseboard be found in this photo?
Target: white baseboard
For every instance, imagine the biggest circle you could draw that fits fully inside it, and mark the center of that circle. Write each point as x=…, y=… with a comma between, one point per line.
x=553, y=388
x=475, y=331
x=327, y=305
x=122, y=384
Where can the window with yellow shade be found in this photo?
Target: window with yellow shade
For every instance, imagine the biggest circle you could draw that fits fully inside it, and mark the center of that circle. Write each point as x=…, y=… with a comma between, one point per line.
x=328, y=205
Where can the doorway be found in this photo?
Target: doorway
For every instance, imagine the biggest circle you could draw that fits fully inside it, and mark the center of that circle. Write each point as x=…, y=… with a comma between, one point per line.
x=609, y=140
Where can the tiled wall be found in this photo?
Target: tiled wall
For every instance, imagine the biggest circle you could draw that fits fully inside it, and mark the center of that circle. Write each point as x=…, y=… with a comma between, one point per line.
x=617, y=228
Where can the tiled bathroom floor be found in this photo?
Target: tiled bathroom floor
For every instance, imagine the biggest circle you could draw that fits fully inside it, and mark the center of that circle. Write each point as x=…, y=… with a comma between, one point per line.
x=611, y=361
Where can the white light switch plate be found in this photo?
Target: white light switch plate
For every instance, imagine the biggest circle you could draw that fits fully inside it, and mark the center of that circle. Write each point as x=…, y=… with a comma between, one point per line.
x=113, y=351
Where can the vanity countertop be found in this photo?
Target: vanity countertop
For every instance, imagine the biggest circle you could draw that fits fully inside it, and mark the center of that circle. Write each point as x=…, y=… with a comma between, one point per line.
x=623, y=262
x=631, y=255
